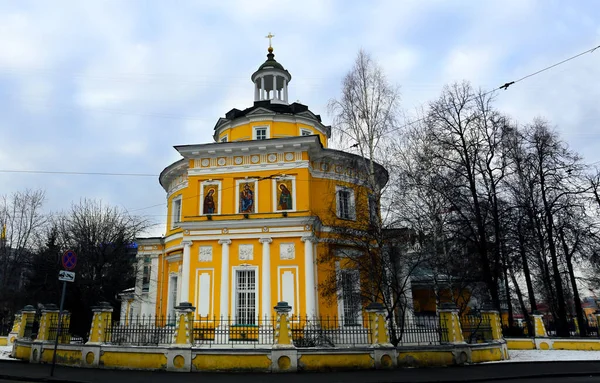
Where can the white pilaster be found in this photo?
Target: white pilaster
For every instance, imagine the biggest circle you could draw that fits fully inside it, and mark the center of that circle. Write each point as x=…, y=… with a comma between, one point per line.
x=185, y=272
x=152, y=288
x=266, y=277
x=309, y=269
x=225, y=277
x=139, y=284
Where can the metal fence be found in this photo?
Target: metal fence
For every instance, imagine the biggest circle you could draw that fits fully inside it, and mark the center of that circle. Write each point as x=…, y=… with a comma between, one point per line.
x=31, y=328
x=142, y=331
x=230, y=332
x=418, y=330
x=590, y=326
x=65, y=333
x=328, y=332
x=476, y=328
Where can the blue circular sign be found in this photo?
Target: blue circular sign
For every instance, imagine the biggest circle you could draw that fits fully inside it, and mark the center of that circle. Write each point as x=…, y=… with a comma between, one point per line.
x=69, y=260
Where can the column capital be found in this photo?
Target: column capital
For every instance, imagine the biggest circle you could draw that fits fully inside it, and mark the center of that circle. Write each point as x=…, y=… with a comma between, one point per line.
x=186, y=243
x=266, y=240
x=309, y=238
x=224, y=241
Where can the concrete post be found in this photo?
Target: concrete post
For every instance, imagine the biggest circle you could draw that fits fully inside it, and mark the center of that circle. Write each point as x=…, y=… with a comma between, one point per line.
x=450, y=324
x=101, y=323
x=491, y=315
x=27, y=318
x=184, y=325
x=378, y=334
x=283, y=330
x=14, y=332
x=539, y=330
x=48, y=320
x=284, y=355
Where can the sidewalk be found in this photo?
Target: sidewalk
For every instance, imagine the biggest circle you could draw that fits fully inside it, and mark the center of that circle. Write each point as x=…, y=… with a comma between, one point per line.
x=21, y=371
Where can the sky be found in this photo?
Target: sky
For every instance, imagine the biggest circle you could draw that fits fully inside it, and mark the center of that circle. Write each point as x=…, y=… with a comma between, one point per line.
x=111, y=86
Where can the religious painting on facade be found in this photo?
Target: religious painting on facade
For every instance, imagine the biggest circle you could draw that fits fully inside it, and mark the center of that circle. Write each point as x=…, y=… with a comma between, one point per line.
x=210, y=199
x=283, y=192
x=247, y=199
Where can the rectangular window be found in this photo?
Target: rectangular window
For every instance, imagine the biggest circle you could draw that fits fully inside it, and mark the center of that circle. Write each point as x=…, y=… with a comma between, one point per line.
x=245, y=297
x=305, y=132
x=350, y=297
x=345, y=203
x=172, y=297
x=176, y=212
x=261, y=132
x=373, y=210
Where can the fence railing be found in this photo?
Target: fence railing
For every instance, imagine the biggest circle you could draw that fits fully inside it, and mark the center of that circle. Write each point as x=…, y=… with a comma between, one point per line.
x=328, y=332
x=142, y=331
x=418, y=330
x=31, y=328
x=230, y=332
x=65, y=333
x=476, y=328
x=590, y=326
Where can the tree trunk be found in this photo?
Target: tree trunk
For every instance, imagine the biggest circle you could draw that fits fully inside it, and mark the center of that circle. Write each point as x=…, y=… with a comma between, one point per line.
x=578, y=310
x=528, y=282
x=526, y=316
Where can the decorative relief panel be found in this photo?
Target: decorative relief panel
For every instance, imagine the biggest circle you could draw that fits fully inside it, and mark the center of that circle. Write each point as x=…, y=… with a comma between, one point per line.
x=246, y=252
x=255, y=159
x=238, y=160
x=286, y=251
x=289, y=156
x=205, y=253
x=205, y=162
x=272, y=157
x=221, y=161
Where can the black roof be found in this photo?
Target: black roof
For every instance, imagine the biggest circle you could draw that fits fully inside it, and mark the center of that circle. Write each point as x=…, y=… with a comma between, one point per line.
x=294, y=108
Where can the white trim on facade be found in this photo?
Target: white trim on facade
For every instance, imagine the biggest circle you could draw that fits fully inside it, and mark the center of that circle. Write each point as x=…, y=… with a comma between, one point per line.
x=295, y=308
x=348, y=211
x=197, y=292
x=176, y=221
x=234, y=292
x=255, y=129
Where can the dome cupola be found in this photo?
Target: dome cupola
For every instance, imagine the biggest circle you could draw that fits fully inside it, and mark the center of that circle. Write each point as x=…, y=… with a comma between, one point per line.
x=271, y=80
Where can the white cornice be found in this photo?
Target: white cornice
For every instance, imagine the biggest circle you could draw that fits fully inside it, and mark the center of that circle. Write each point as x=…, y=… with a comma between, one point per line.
x=249, y=168
x=249, y=223
x=305, y=118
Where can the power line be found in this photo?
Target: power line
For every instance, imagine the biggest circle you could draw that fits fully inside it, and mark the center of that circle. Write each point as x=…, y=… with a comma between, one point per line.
x=78, y=173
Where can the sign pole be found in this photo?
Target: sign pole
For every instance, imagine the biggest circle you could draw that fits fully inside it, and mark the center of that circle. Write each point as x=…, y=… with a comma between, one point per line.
x=60, y=311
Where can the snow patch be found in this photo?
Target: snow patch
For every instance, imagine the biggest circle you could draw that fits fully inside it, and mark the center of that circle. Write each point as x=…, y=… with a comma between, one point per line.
x=5, y=352
x=551, y=355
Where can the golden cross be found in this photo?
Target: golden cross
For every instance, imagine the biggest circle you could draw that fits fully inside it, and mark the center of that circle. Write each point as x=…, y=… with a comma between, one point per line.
x=269, y=36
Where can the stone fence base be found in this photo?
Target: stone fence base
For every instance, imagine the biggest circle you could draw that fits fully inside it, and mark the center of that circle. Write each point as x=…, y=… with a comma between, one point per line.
x=276, y=359
x=583, y=344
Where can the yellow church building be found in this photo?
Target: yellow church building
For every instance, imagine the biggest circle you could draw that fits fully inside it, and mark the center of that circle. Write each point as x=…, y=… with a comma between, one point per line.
x=250, y=214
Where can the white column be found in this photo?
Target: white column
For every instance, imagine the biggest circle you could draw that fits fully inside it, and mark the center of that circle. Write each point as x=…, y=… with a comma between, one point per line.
x=185, y=272
x=225, y=277
x=256, y=91
x=262, y=88
x=274, y=87
x=285, y=93
x=153, y=287
x=309, y=268
x=266, y=277
x=139, y=283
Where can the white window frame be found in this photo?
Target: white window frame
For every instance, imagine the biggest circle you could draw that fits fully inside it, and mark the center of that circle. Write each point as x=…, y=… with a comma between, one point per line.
x=225, y=138
x=274, y=194
x=357, y=320
x=234, y=289
x=217, y=184
x=305, y=130
x=237, y=194
x=175, y=222
x=351, y=203
x=265, y=127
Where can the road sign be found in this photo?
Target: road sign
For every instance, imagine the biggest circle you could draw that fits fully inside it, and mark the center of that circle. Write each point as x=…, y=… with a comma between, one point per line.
x=66, y=276
x=69, y=260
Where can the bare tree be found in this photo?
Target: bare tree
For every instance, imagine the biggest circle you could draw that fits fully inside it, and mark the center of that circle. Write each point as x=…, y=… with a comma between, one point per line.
x=21, y=221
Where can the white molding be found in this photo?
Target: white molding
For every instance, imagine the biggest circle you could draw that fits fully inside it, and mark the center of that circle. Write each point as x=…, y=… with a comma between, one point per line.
x=295, y=310
x=174, y=258
x=274, y=193
x=178, y=188
x=246, y=168
x=272, y=116
x=302, y=129
x=256, y=236
x=211, y=309
x=292, y=222
x=351, y=202
x=237, y=194
x=217, y=183
x=173, y=237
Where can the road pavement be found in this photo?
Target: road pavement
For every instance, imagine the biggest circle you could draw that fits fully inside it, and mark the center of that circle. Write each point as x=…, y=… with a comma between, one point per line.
x=580, y=371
